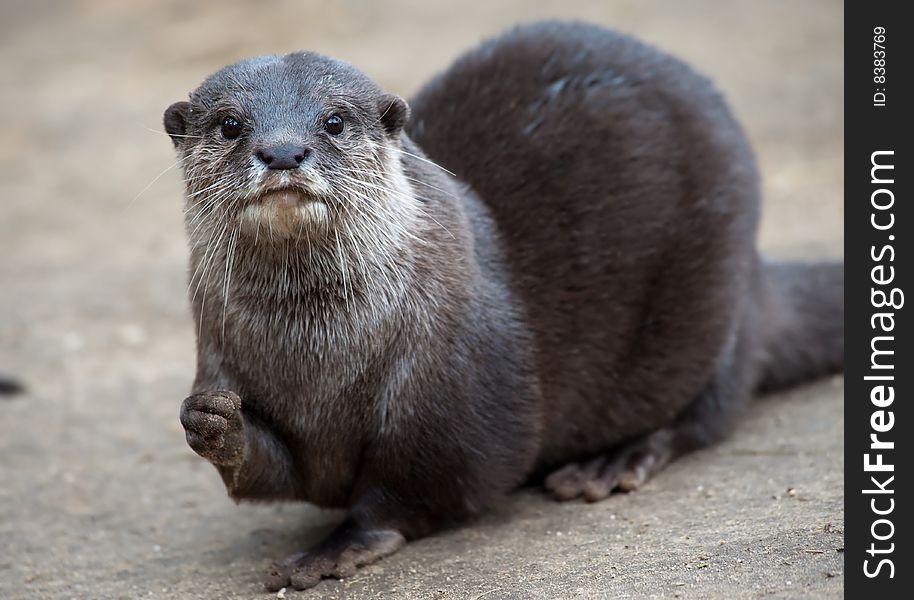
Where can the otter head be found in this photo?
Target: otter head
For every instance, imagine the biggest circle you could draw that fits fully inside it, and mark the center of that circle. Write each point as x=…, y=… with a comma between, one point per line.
x=284, y=146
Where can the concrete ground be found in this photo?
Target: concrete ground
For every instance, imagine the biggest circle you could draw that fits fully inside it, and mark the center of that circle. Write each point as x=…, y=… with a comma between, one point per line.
x=99, y=495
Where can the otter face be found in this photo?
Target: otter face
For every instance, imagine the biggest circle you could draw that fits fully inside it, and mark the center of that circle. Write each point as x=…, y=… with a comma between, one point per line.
x=299, y=145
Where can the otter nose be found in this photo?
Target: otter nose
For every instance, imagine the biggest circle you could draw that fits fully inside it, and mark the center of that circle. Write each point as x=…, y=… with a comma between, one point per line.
x=287, y=156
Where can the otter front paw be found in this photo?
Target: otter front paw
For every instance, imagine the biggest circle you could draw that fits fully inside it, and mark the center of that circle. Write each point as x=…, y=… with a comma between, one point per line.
x=339, y=556
x=214, y=427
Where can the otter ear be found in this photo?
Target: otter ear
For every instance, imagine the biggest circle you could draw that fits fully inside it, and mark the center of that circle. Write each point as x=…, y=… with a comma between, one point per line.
x=175, y=121
x=394, y=113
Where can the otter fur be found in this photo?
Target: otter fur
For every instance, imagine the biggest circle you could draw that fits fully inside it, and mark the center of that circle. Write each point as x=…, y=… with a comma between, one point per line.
x=543, y=268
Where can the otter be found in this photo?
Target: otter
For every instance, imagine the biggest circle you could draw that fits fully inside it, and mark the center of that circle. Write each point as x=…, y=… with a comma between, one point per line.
x=542, y=269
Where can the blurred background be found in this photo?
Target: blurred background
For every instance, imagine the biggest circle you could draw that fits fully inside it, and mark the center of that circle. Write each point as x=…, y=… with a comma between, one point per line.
x=99, y=497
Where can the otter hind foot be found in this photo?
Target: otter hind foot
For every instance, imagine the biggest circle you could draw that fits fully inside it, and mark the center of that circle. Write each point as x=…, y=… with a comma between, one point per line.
x=625, y=468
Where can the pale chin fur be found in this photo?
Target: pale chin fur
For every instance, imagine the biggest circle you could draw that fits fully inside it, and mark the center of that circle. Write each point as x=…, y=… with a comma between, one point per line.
x=271, y=219
x=285, y=214
x=280, y=217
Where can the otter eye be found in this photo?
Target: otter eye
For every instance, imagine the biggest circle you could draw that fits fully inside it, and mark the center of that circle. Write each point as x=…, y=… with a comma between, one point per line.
x=334, y=124
x=231, y=128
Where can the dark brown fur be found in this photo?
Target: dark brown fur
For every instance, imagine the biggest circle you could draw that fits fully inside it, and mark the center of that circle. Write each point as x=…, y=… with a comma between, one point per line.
x=587, y=288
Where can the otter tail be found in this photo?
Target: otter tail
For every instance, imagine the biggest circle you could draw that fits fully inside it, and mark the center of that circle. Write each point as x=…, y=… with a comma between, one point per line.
x=802, y=323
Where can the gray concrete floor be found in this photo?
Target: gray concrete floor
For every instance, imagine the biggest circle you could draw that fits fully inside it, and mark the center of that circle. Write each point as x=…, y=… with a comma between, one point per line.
x=99, y=495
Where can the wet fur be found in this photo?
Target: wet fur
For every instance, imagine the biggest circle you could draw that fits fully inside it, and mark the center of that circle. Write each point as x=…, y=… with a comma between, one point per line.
x=590, y=276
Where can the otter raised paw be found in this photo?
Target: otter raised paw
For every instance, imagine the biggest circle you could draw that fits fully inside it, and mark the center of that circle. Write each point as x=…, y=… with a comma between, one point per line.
x=213, y=427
